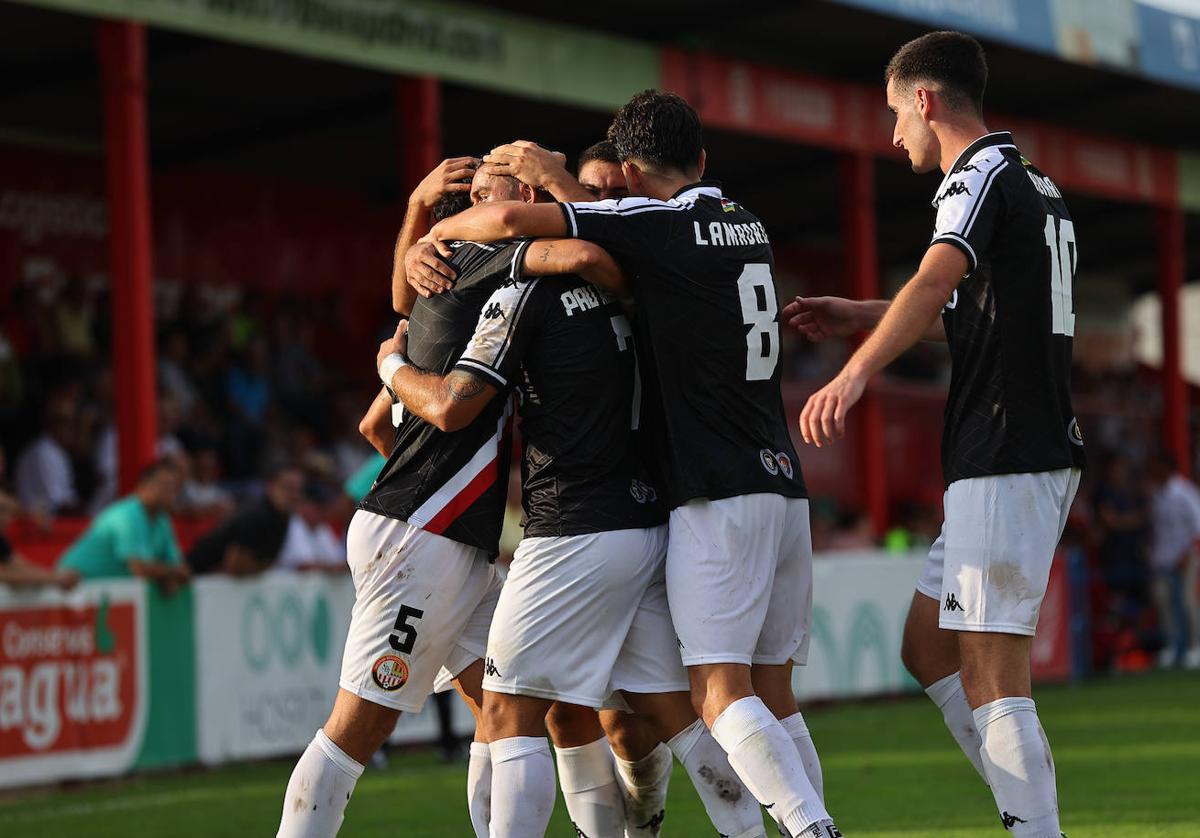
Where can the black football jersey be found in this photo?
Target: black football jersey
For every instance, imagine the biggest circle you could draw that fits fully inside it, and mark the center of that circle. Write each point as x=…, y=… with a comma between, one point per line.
x=1010, y=322
x=453, y=484
x=703, y=277
x=568, y=349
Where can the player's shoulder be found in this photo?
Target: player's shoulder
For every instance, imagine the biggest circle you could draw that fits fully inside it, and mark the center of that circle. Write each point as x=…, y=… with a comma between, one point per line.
x=970, y=180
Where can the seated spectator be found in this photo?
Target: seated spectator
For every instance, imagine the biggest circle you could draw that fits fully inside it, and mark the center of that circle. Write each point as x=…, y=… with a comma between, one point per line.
x=203, y=495
x=45, y=476
x=15, y=569
x=249, y=541
x=311, y=543
x=134, y=536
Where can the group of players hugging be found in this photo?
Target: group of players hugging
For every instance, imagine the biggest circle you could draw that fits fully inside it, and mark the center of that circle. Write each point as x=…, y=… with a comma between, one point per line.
x=662, y=592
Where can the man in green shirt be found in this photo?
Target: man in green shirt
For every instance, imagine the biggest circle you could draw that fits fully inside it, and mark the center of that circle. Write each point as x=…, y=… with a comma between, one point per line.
x=133, y=536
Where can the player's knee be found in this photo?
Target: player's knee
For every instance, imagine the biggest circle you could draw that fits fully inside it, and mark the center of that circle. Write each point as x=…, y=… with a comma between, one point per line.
x=570, y=724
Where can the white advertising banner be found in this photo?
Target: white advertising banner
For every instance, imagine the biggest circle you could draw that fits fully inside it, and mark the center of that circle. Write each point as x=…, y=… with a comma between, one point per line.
x=860, y=602
x=268, y=657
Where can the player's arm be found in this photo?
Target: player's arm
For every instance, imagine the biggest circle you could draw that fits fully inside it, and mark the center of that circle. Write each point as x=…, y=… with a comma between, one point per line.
x=499, y=221
x=376, y=424
x=822, y=318
x=449, y=402
x=549, y=257
x=418, y=218
x=538, y=167
x=906, y=321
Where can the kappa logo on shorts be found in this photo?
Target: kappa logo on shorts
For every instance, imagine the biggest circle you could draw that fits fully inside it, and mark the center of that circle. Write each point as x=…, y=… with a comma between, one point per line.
x=390, y=673
x=952, y=603
x=490, y=670
x=785, y=464
x=769, y=461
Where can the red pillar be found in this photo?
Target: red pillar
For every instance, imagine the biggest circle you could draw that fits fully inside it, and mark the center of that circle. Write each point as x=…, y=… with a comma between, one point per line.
x=1171, y=269
x=122, y=52
x=419, y=111
x=856, y=182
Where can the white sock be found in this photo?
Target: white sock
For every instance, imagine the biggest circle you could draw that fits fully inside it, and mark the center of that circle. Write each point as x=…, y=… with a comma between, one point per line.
x=318, y=791
x=522, y=787
x=589, y=787
x=730, y=806
x=643, y=785
x=1017, y=759
x=479, y=787
x=949, y=697
x=763, y=755
x=798, y=730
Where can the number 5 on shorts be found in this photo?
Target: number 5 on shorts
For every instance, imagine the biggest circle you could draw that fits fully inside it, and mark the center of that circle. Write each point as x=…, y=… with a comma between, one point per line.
x=408, y=634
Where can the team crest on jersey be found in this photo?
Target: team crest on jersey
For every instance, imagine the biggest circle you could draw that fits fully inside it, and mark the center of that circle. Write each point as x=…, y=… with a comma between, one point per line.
x=390, y=673
x=785, y=464
x=642, y=492
x=1074, y=434
x=728, y=205
x=769, y=461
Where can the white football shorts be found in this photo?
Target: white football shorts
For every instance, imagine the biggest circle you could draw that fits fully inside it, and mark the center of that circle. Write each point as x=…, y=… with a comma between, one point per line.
x=583, y=615
x=990, y=566
x=422, y=608
x=739, y=579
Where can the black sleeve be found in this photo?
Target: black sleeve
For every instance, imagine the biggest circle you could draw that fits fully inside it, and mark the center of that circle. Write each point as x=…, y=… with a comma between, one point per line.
x=483, y=261
x=631, y=229
x=969, y=208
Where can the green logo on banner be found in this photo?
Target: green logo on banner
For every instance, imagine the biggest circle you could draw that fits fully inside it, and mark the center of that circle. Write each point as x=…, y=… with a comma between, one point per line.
x=279, y=630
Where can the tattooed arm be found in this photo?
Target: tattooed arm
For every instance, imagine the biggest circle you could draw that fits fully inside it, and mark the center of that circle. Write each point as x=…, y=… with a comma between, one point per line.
x=449, y=402
x=547, y=257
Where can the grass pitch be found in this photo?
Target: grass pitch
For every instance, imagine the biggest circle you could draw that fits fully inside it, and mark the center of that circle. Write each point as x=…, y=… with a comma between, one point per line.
x=1127, y=752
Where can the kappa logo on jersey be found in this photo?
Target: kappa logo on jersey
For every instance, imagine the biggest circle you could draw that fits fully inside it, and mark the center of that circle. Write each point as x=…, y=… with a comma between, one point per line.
x=955, y=188
x=785, y=464
x=952, y=603
x=1074, y=434
x=390, y=673
x=642, y=492
x=768, y=460
x=493, y=311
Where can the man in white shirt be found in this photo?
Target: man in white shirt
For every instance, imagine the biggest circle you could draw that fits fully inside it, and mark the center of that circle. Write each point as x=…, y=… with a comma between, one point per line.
x=1175, y=522
x=45, y=477
x=311, y=543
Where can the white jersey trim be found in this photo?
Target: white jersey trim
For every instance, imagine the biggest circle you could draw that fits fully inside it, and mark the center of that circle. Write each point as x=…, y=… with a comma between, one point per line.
x=484, y=457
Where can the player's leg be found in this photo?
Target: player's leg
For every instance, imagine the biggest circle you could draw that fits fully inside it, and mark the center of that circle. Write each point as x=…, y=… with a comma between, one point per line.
x=393, y=653
x=585, y=769
x=930, y=653
x=464, y=670
x=522, y=768
x=784, y=639
x=721, y=563
x=575, y=587
x=642, y=763
x=729, y=804
x=327, y=771
x=1001, y=534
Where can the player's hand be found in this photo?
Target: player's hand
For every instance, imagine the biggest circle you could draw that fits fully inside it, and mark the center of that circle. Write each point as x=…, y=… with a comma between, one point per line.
x=397, y=343
x=823, y=418
x=425, y=269
x=445, y=177
x=526, y=161
x=822, y=318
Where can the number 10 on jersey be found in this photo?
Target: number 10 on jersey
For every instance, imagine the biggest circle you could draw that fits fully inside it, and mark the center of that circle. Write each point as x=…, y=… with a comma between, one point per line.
x=1062, y=274
x=759, y=307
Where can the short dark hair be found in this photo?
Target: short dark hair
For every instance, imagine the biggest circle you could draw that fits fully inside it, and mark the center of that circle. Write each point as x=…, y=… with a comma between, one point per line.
x=157, y=467
x=952, y=60
x=659, y=129
x=450, y=203
x=604, y=151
